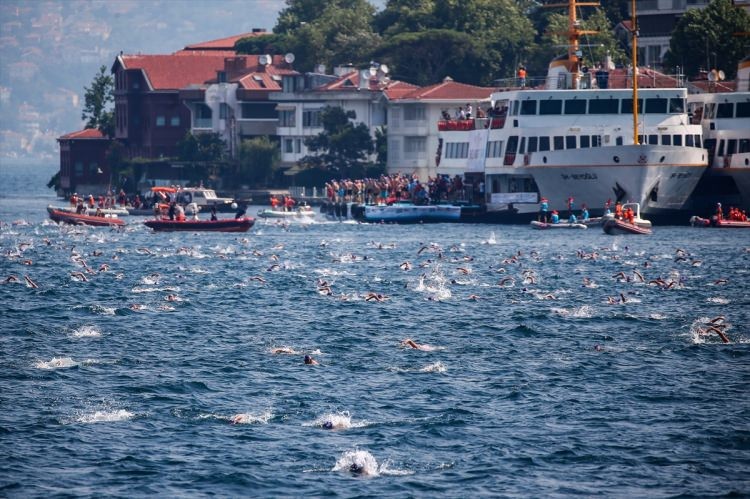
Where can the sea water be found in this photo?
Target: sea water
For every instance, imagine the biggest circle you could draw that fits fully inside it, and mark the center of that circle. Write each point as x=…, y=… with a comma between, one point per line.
x=553, y=363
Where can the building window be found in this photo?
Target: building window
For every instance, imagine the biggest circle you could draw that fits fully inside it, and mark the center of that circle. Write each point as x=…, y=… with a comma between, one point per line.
x=161, y=120
x=311, y=118
x=287, y=84
x=287, y=118
x=289, y=146
x=222, y=76
x=414, y=113
x=202, y=116
x=174, y=121
x=415, y=146
x=223, y=111
x=259, y=111
x=298, y=145
x=78, y=169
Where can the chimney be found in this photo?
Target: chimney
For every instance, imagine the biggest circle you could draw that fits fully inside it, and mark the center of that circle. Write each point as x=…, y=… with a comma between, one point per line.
x=259, y=31
x=364, y=79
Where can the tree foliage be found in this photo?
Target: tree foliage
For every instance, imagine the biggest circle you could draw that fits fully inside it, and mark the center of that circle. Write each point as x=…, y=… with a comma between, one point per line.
x=97, y=108
x=341, y=147
x=203, y=147
x=258, y=160
x=707, y=36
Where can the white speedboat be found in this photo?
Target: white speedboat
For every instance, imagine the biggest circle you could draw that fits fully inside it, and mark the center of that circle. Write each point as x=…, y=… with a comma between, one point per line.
x=559, y=225
x=570, y=139
x=617, y=226
x=112, y=211
x=205, y=199
x=302, y=211
x=406, y=212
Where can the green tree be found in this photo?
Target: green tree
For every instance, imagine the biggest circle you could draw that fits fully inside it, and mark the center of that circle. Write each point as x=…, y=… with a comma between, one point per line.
x=258, y=160
x=97, y=109
x=205, y=147
x=341, y=147
x=708, y=36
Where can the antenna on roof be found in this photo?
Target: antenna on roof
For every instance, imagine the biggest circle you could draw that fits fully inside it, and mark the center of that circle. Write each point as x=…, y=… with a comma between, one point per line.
x=289, y=58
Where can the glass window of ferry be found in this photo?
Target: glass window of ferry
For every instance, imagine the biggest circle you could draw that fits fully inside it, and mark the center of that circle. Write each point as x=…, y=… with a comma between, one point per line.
x=512, y=145
x=721, y=148
x=676, y=105
x=533, y=144
x=677, y=139
x=725, y=110
x=656, y=105
x=626, y=106
x=603, y=106
x=697, y=140
x=689, y=140
x=544, y=143
x=596, y=141
x=744, y=146
x=731, y=146
x=619, y=141
x=666, y=140
x=585, y=141
x=528, y=107
x=743, y=110
x=653, y=139
x=552, y=106
x=515, y=108
x=570, y=142
x=709, y=112
x=575, y=106
x=559, y=142
x=522, y=148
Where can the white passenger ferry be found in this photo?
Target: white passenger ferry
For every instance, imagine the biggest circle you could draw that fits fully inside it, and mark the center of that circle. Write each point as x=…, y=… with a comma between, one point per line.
x=725, y=118
x=570, y=140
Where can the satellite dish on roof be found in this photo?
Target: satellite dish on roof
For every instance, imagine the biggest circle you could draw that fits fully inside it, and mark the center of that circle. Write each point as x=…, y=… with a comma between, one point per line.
x=721, y=75
x=384, y=69
x=320, y=68
x=265, y=59
x=289, y=58
x=712, y=75
x=373, y=71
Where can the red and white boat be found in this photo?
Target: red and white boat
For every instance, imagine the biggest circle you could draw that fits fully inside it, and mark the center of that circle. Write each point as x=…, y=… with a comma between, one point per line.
x=714, y=221
x=222, y=225
x=615, y=226
x=69, y=217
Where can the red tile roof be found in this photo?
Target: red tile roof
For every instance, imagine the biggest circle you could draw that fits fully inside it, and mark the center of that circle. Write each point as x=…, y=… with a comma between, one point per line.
x=173, y=72
x=449, y=90
x=87, y=133
x=223, y=43
x=351, y=80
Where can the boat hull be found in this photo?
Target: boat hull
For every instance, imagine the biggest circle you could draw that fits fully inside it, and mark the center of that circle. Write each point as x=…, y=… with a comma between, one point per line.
x=409, y=213
x=561, y=225
x=224, y=225
x=616, y=227
x=268, y=213
x=715, y=222
x=61, y=216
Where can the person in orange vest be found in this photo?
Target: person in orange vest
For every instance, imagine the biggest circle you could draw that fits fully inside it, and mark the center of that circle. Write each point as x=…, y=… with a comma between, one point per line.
x=630, y=215
x=522, y=76
x=289, y=203
x=274, y=202
x=618, y=210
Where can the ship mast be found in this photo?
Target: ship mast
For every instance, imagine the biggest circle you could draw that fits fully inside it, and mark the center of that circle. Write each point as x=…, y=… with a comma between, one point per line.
x=574, y=34
x=634, y=31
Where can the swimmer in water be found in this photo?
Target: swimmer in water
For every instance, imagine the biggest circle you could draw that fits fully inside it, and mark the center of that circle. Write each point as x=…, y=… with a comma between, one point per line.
x=473, y=297
x=408, y=342
x=375, y=297
x=11, y=278
x=310, y=361
x=29, y=282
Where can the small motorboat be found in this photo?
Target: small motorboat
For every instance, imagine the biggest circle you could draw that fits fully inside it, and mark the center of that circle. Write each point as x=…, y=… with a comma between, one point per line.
x=407, y=212
x=714, y=221
x=615, y=226
x=222, y=225
x=302, y=211
x=69, y=217
x=114, y=210
x=559, y=225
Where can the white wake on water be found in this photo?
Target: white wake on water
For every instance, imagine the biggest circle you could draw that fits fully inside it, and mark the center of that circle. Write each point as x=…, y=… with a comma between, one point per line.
x=56, y=363
x=362, y=463
x=105, y=416
x=86, y=332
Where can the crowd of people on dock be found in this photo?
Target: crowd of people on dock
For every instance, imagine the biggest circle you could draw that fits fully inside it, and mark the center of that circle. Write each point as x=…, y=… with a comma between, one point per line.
x=389, y=189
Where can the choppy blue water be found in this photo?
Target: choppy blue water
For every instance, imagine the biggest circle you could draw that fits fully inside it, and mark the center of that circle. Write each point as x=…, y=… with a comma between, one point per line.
x=539, y=386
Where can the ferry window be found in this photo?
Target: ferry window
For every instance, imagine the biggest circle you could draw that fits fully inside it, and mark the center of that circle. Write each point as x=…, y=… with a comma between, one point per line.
x=721, y=148
x=533, y=144
x=585, y=142
x=544, y=143
x=656, y=106
x=528, y=107
x=689, y=140
x=552, y=106
x=559, y=141
x=744, y=145
x=677, y=139
x=653, y=139
x=618, y=141
x=726, y=110
x=697, y=140
x=512, y=145
x=731, y=146
x=515, y=108
x=603, y=106
x=627, y=106
x=676, y=105
x=596, y=141
x=575, y=106
x=709, y=112
x=570, y=142
x=666, y=140
x=522, y=149
x=743, y=110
